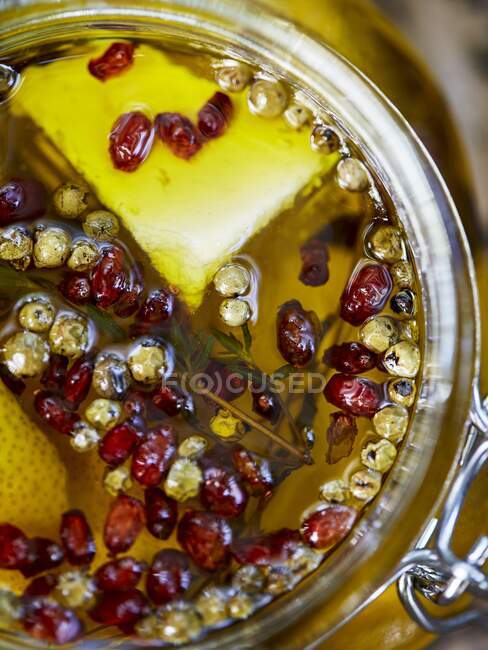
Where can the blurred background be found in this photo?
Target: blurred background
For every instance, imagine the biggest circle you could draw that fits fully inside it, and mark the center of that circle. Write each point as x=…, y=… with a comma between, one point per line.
x=452, y=37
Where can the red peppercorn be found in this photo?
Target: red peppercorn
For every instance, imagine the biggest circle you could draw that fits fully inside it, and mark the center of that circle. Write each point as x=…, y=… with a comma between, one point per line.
x=179, y=133
x=224, y=383
x=14, y=547
x=297, y=333
x=77, y=538
x=139, y=425
x=118, y=444
x=117, y=58
x=222, y=492
x=266, y=404
x=253, y=470
x=131, y=140
x=54, y=376
x=13, y=383
x=124, y=521
x=170, y=399
x=341, y=435
x=161, y=513
x=53, y=412
x=78, y=381
x=130, y=301
x=21, y=199
x=328, y=526
x=275, y=548
x=352, y=358
x=214, y=117
x=169, y=576
x=44, y=554
x=76, y=288
x=134, y=407
x=206, y=538
x=158, y=307
x=108, y=279
x=41, y=586
x=315, y=258
x=356, y=395
x=152, y=457
x=119, y=607
x=46, y=620
x=119, y=575
x=366, y=294
x=135, y=403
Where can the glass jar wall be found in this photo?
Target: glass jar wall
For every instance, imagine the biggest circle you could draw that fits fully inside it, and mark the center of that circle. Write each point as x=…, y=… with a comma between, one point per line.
x=429, y=219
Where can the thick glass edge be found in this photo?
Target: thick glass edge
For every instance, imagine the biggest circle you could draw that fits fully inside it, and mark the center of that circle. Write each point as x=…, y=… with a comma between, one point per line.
x=429, y=218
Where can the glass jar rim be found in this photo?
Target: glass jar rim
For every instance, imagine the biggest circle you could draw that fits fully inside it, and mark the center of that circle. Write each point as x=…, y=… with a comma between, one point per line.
x=434, y=231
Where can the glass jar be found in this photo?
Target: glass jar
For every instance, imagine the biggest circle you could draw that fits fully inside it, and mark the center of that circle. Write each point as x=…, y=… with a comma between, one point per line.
x=422, y=477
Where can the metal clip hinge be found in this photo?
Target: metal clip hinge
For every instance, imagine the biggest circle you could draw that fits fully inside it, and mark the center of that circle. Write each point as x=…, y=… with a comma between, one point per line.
x=432, y=570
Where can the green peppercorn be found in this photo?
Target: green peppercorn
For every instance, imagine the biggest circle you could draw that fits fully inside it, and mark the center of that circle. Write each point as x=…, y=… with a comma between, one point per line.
x=37, y=315
x=386, y=243
x=84, y=256
x=402, y=391
x=212, y=605
x=232, y=76
x=267, y=98
x=70, y=200
x=111, y=377
x=235, y=312
x=25, y=354
x=148, y=362
x=379, y=455
x=183, y=480
x=352, y=175
x=402, y=359
x=391, y=422
x=69, y=336
x=101, y=225
x=16, y=247
x=52, y=246
x=379, y=333
x=365, y=484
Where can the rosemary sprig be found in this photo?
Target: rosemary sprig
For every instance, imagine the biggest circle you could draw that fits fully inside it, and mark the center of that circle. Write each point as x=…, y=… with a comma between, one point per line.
x=282, y=372
x=106, y=323
x=12, y=282
x=233, y=346
x=308, y=411
x=194, y=353
x=247, y=338
x=241, y=352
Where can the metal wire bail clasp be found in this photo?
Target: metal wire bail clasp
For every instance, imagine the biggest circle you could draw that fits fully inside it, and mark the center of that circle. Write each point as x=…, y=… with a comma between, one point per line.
x=433, y=569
